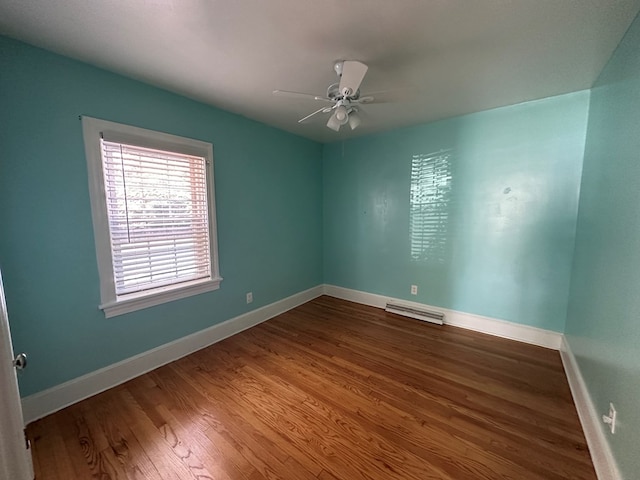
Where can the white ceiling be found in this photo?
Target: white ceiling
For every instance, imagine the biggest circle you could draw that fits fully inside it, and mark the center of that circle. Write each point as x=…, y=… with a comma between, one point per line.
x=439, y=58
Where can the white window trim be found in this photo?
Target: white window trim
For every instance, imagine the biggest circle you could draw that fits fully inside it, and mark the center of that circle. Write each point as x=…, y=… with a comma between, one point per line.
x=93, y=129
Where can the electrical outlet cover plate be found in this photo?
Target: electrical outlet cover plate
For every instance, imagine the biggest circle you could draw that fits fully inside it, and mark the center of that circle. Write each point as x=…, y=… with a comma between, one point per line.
x=414, y=289
x=249, y=297
x=610, y=419
x=612, y=415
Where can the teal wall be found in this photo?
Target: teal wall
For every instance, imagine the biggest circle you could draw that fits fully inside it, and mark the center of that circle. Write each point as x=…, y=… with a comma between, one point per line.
x=506, y=222
x=603, y=324
x=269, y=211
x=293, y=214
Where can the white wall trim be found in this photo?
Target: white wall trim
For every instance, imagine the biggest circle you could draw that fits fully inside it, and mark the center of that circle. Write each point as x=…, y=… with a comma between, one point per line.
x=470, y=321
x=601, y=455
x=56, y=398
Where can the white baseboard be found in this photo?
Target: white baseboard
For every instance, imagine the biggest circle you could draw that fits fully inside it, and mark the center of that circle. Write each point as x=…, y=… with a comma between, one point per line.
x=56, y=398
x=601, y=455
x=470, y=321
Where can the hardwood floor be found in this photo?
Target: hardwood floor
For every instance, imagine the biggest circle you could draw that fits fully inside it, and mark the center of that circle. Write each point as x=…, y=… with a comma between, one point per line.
x=330, y=390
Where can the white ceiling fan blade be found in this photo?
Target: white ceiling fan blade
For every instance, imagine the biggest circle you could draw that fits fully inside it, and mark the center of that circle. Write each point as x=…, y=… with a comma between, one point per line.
x=367, y=99
x=320, y=110
x=353, y=73
x=398, y=94
x=287, y=93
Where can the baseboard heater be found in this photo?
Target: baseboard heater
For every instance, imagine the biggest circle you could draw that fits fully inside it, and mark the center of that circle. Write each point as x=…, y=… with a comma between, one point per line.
x=417, y=313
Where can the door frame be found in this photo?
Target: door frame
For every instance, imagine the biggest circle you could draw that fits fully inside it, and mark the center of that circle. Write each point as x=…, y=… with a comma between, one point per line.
x=16, y=456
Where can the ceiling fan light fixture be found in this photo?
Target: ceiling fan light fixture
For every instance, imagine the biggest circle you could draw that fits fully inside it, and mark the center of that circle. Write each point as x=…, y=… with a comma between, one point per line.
x=342, y=115
x=354, y=120
x=334, y=123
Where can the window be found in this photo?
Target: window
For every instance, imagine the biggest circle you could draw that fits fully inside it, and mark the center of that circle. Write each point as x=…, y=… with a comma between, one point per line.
x=153, y=215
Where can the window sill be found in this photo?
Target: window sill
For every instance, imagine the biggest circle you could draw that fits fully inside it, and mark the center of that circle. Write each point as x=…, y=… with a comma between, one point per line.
x=158, y=297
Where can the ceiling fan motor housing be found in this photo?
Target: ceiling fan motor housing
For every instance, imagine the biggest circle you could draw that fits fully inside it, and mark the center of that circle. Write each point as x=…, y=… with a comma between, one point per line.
x=334, y=93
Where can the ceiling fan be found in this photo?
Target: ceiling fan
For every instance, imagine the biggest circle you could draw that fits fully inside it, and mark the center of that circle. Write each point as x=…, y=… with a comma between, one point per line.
x=344, y=96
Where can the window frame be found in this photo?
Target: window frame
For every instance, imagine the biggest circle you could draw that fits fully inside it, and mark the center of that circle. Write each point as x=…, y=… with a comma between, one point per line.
x=93, y=130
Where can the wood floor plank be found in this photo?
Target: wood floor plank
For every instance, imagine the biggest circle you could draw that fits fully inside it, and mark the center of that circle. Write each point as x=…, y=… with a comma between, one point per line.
x=408, y=395
x=435, y=412
x=331, y=390
x=353, y=405
x=430, y=377
x=276, y=414
x=104, y=414
x=350, y=377
x=171, y=463
x=255, y=444
x=53, y=460
x=271, y=438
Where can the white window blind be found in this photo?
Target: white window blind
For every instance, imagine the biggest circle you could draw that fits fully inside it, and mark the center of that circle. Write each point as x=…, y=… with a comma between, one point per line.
x=158, y=217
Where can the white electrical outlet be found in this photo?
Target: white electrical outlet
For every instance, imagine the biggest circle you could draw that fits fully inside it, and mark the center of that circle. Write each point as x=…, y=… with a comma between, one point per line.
x=611, y=418
x=249, y=297
x=414, y=289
